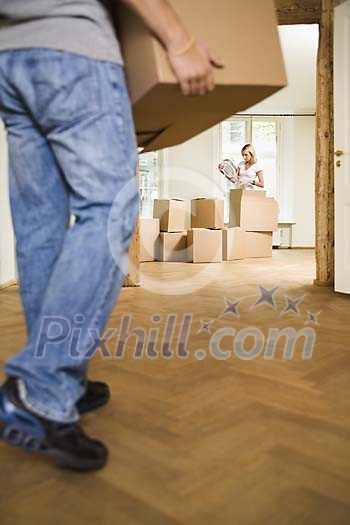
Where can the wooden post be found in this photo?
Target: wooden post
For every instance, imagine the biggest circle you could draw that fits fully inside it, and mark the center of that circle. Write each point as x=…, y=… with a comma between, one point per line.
x=324, y=179
x=298, y=12
x=133, y=276
x=322, y=12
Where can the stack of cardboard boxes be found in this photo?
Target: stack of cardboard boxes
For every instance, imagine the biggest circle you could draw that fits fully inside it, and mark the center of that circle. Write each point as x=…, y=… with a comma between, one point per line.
x=253, y=218
x=172, y=241
x=149, y=234
x=204, y=242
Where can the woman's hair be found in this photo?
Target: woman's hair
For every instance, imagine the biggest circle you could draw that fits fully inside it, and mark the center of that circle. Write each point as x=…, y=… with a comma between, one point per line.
x=250, y=149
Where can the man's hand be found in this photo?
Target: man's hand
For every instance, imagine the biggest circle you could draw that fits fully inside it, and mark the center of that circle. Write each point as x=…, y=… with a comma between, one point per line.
x=194, y=69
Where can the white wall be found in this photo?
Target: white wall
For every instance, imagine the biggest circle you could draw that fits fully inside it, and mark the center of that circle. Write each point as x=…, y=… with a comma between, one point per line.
x=7, y=248
x=299, y=46
x=304, y=182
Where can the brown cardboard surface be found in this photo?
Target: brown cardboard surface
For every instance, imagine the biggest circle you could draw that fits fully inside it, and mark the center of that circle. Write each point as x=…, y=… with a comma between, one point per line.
x=163, y=116
x=172, y=247
x=253, y=211
x=233, y=244
x=171, y=213
x=204, y=246
x=149, y=233
x=207, y=213
x=258, y=244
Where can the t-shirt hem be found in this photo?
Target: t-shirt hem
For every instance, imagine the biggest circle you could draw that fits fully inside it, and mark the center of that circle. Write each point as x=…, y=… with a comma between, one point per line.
x=100, y=57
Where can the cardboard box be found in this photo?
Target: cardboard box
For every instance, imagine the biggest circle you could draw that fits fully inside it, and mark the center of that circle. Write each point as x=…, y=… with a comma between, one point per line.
x=171, y=213
x=172, y=247
x=258, y=244
x=204, y=246
x=207, y=213
x=253, y=211
x=163, y=116
x=233, y=244
x=149, y=233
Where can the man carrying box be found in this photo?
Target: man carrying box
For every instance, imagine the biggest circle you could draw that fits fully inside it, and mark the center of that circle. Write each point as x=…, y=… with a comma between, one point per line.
x=72, y=148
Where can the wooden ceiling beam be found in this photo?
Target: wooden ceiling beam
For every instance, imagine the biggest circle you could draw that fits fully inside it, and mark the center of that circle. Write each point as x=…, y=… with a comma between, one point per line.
x=298, y=11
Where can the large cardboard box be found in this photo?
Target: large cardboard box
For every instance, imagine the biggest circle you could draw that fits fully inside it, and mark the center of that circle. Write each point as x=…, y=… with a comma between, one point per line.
x=253, y=211
x=207, y=213
x=149, y=234
x=233, y=244
x=254, y=67
x=204, y=246
x=172, y=247
x=171, y=213
x=258, y=244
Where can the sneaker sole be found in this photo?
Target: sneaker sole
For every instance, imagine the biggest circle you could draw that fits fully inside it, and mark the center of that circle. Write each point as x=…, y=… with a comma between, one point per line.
x=16, y=436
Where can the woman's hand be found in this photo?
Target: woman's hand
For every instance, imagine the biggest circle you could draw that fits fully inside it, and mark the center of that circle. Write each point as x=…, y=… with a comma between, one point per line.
x=243, y=184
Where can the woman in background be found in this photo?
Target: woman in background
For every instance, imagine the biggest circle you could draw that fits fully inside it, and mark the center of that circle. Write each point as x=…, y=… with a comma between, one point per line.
x=248, y=173
x=249, y=170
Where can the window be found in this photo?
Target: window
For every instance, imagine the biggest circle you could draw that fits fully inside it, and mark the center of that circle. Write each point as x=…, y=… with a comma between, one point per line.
x=149, y=182
x=264, y=139
x=262, y=132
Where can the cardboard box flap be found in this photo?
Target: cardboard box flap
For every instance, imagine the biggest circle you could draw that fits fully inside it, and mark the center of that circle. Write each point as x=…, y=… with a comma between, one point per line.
x=248, y=194
x=144, y=138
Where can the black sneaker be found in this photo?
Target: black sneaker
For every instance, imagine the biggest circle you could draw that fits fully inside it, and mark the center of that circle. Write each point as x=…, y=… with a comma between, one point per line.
x=97, y=394
x=66, y=444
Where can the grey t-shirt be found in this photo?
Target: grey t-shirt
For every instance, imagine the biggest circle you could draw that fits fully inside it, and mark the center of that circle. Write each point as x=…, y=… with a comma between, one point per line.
x=84, y=27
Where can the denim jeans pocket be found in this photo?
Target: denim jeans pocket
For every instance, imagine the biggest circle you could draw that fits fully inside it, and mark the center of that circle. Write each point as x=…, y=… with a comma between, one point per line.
x=66, y=88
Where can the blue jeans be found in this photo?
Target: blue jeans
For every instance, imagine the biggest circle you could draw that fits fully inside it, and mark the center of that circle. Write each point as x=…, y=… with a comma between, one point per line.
x=72, y=150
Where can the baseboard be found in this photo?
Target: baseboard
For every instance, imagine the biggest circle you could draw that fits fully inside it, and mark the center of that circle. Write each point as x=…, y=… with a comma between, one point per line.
x=13, y=282
x=293, y=247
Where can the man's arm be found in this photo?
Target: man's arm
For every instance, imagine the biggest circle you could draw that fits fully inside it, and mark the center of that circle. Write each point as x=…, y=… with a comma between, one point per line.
x=190, y=60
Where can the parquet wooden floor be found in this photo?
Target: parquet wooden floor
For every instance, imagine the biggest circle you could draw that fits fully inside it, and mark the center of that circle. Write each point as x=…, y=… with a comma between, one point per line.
x=206, y=441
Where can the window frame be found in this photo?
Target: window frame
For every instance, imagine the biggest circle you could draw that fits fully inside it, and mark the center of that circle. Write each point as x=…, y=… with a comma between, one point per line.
x=159, y=169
